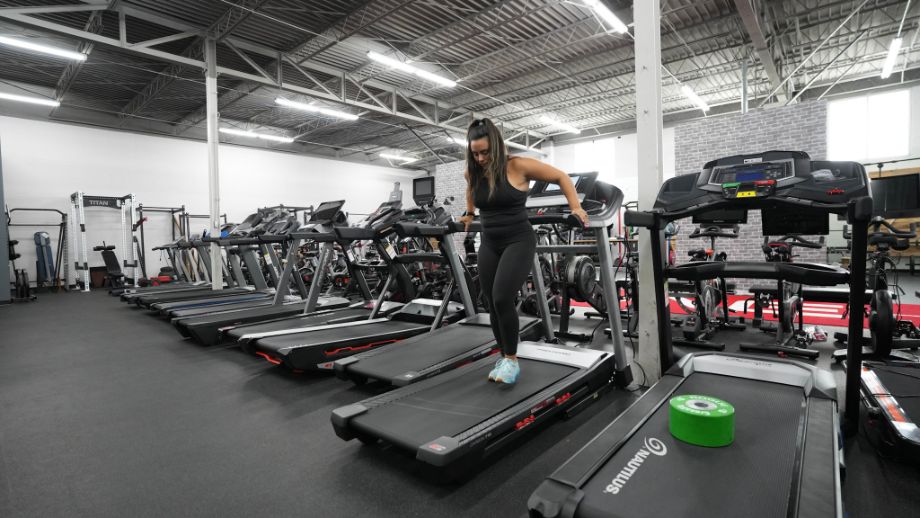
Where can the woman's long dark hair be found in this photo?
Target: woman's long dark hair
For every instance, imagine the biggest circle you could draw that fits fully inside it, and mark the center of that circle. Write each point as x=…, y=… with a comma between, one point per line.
x=494, y=172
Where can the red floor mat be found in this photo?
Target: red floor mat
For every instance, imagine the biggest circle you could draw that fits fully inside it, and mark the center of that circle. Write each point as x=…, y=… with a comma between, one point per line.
x=816, y=313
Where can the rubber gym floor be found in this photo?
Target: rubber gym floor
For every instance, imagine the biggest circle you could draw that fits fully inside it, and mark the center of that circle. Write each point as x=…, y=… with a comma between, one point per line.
x=105, y=411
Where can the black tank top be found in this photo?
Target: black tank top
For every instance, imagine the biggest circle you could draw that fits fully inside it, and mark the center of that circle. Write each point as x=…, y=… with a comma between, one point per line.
x=505, y=208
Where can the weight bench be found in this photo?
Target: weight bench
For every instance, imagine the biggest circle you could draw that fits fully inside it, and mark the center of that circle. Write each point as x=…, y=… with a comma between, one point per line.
x=113, y=274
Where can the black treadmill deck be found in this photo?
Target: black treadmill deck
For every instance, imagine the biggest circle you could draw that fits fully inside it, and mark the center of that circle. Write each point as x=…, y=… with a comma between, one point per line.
x=420, y=357
x=457, y=405
x=653, y=474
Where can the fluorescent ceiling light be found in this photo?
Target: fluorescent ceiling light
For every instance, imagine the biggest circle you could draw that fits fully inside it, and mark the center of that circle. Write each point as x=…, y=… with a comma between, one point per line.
x=459, y=141
x=550, y=121
x=690, y=94
x=409, y=69
x=33, y=100
x=252, y=134
x=615, y=24
x=401, y=158
x=892, y=58
x=44, y=49
x=316, y=109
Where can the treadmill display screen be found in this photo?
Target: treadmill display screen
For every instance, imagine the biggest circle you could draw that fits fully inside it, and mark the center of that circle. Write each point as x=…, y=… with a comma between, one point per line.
x=752, y=172
x=326, y=211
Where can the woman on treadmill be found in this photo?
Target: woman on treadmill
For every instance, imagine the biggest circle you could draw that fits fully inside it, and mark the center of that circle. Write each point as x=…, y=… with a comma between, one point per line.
x=497, y=185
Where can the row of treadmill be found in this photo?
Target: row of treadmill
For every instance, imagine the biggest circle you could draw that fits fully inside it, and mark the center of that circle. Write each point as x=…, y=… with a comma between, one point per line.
x=389, y=300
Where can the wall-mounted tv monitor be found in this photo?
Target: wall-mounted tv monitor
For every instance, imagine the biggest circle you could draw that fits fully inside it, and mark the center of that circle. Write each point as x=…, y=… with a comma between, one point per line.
x=896, y=196
x=423, y=190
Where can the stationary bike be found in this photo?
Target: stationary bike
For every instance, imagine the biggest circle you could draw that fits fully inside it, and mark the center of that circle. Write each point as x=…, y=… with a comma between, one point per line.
x=710, y=312
x=791, y=338
x=888, y=331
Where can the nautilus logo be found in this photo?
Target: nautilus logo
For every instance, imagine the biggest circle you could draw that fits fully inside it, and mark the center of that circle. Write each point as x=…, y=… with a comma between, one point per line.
x=651, y=446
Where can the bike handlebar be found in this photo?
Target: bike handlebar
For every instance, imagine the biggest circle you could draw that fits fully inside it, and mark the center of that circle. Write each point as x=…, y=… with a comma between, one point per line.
x=715, y=232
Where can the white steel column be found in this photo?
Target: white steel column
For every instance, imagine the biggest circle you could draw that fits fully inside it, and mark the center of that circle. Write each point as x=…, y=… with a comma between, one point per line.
x=647, y=16
x=217, y=270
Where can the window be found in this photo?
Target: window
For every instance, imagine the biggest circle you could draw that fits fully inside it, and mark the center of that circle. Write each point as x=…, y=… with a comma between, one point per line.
x=869, y=127
x=595, y=155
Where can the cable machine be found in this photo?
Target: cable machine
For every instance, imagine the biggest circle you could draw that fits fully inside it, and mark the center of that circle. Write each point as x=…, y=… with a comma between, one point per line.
x=127, y=207
x=44, y=272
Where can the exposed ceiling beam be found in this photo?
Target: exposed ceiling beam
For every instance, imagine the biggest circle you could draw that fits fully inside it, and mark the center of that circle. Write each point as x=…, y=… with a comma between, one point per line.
x=257, y=79
x=222, y=27
x=751, y=22
x=94, y=25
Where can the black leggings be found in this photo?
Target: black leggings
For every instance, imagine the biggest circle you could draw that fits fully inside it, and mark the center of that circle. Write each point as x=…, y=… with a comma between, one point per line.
x=505, y=260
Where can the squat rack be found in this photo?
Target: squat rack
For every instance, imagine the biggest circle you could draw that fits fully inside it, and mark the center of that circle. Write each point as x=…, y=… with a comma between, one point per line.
x=126, y=205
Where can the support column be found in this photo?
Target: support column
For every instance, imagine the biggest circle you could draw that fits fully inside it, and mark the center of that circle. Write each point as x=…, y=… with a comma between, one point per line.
x=647, y=16
x=210, y=54
x=744, y=85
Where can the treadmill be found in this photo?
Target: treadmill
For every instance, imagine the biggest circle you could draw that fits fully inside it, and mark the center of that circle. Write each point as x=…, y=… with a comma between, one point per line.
x=421, y=357
x=318, y=347
x=455, y=419
x=276, y=228
x=251, y=222
x=376, y=227
x=785, y=459
x=204, y=326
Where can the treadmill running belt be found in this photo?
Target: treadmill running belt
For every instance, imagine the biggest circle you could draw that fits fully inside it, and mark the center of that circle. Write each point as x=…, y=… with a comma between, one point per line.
x=295, y=323
x=751, y=477
x=904, y=384
x=287, y=343
x=451, y=407
x=424, y=351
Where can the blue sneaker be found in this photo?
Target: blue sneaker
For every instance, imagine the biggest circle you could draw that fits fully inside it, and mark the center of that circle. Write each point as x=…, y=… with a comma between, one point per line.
x=508, y=372
x=495, y=369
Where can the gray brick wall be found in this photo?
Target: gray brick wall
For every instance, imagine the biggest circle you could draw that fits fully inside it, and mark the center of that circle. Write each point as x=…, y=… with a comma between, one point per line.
x=801, y=127
x=449, y=182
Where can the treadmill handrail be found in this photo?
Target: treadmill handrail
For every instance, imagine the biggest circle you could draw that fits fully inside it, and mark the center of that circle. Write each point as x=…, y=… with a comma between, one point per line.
x=804, y=273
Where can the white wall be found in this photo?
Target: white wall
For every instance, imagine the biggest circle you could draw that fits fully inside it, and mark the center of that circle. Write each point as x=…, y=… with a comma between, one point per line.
x=43, y=163
x=615, y=158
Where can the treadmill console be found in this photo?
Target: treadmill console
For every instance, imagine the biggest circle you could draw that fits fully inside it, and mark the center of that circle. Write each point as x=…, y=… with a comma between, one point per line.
x=547, y=194
x=327, y=211
x=759, y=180
x=547, y=205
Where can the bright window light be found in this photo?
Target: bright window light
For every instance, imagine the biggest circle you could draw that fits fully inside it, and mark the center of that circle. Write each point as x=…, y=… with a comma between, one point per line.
x=697, y=100
x=892, y=58
x=398, y=157
x=43, y=49
x=614, y=23
x=595, y=155
x=31, y=100
x=888, y=125
x=316, y=109
x=552, y=121
x=260, y=136
x=409, y=69
x=869, y=127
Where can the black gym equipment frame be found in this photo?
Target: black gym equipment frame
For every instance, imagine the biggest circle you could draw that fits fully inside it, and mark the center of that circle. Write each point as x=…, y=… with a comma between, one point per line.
x=785, y=460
